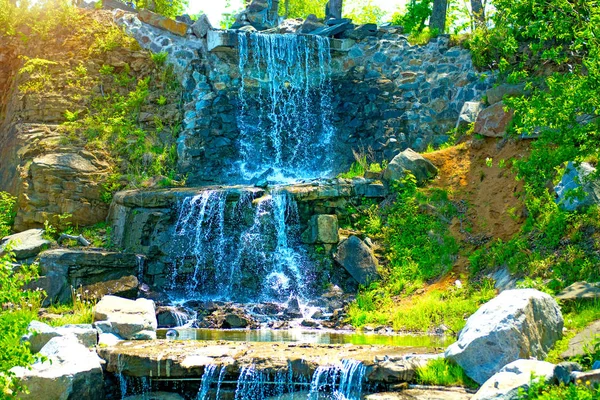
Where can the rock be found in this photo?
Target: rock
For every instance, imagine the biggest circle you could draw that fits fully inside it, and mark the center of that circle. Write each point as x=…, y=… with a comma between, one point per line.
x=201, y=26
x=126, y=318
x=261, y=14
x=309, y=323
x=126, y=286
x=498, y=93
x=518, y=324
x=161, y=22
x=290, y=25
x=322, y=229
x=116, y=4
x=311, y=23
x=108, y=339
x=564, y=370
x=155, y=396
x=579, y=343
x=71, y=372
x=577, y=178
x=505, y=384
x=410, y=161
x=580, y=290
x=293, y=308
x=493, y=121
x=582, y=378
x=171, y=317
x=358, y=259
x=62, y=269
x=469, y=112
x=185, y=18
x=25, y=244
x=422, y=394
x=39, y=334
x=235, y=320
x=331, y=31
x=361, y=32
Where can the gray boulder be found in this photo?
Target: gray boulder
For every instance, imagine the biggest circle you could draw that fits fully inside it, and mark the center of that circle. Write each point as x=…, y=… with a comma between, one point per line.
x=311, y=24
x=410, y=161
x=321, y=229
x=580, y=343
x=505, y=384
x=38, y=334
x=126, y=318
x=26, y=244
x=498, y=93
x=468, y=113
x=518, y=324
x=201, y=26
x=577, y=178
x=70, y=372
x=358, y=259
x=563, y=372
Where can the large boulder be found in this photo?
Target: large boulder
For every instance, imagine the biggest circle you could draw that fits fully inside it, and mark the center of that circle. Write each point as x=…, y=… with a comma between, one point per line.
x=494, y=120
x=322, y=229
x=358, y=259
x=25, y=244
x=500, y=92
x=580, y=344
x=518, y=324
x=126, y=318
x=61, y=269
x=260, y=14
x=126, y=286
x=39, y=334
x=410, y=161
x=505, y=384
x=577, y=178
x=162, y=22
x=71, y=371
x=468, y=113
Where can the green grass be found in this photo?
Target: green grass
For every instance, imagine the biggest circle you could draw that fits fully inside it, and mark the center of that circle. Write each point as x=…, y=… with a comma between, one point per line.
x=444, y=372
x=577, y=316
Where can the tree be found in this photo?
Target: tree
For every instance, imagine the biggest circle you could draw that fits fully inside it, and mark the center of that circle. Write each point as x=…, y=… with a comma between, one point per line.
x=302, y=8
x=477, y=13
x=334, y=9
x=437, y=22
x=168, y=8
x=417, y=13
x=364, y=12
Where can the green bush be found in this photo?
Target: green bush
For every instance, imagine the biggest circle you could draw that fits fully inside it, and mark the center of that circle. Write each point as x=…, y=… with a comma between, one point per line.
x=17, y=308
x=7, y=213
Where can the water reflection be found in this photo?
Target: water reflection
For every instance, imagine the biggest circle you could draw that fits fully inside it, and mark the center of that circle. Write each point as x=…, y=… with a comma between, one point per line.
x=305, y=336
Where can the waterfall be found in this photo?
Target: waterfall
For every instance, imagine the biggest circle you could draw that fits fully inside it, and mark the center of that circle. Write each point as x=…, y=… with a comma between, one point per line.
x=344, y=382
x=285, y=109
x=243, y=250
x=208, y=378
x=251, y=384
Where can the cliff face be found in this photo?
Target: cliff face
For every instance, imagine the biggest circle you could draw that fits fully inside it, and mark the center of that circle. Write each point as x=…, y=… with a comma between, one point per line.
x=50, y=85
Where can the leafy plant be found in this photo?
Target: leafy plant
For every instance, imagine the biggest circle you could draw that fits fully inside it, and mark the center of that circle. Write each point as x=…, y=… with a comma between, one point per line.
x=7, y=213
x=444, y=372
x=160, y=59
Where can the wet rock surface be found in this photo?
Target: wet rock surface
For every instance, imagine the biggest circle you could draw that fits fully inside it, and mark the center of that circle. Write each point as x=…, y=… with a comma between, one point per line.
x=189, y=358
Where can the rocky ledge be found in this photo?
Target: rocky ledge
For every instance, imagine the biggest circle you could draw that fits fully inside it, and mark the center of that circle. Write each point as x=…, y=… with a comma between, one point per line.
x=188, y=359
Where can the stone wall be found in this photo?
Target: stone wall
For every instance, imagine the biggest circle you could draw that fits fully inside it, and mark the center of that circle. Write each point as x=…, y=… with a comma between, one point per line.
x=387, y=95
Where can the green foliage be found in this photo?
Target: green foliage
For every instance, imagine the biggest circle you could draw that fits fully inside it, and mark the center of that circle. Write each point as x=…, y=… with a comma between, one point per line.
x=540, y=390
x=37, y=71
x=363, y=12
x=419, y=245
x=168, y=8
x=417, y=13
x=303, y=8
x=7, y=213
x=444, y=372
x=17, y=308
x=160, y=58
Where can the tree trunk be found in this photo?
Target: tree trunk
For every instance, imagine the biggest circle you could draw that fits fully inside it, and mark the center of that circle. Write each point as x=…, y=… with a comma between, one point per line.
x=477, y=13
x=334, y=9
x=438, y=16
x=287, y=8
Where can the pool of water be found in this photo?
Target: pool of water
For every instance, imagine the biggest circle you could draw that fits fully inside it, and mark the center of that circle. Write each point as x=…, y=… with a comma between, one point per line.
x=306, y=336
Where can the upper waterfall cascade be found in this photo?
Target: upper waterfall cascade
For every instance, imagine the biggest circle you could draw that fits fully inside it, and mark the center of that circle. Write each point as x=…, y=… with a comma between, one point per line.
x=285, y=108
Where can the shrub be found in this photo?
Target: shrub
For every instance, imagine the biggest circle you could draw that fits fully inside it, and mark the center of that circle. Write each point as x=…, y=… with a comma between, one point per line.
x=7, y=213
